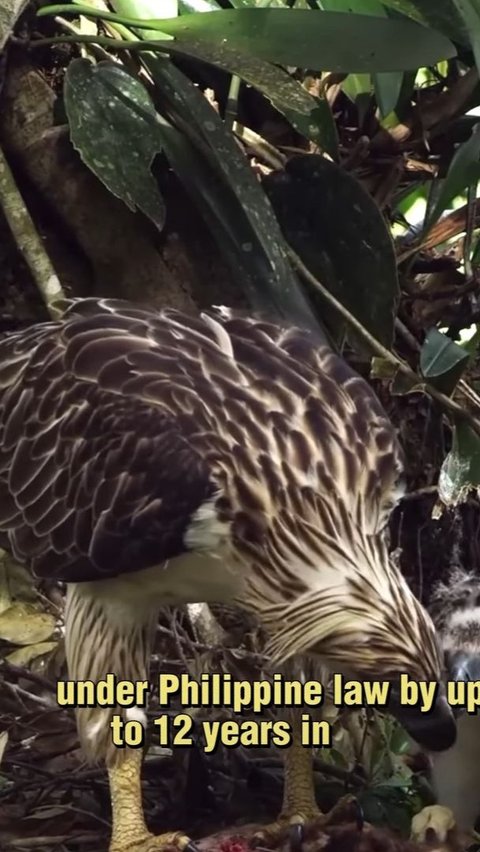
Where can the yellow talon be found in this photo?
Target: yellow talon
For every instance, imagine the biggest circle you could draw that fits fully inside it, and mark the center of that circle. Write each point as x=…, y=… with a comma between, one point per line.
x=129, y=832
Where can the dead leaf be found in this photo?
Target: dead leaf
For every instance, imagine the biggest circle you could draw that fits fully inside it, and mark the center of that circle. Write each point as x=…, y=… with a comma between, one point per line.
x=24, y=656
x=9, y=12
x=22, y=624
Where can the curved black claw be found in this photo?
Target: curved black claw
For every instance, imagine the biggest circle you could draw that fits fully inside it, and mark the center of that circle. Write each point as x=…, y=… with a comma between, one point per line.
x=295, y=837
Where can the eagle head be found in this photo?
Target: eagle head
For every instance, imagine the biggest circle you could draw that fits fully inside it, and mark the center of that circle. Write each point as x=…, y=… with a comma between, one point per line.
x=358, y=616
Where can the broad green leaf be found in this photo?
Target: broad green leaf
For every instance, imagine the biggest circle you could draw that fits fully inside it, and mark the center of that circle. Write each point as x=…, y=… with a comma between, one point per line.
x=216, y=173
x=359, y=88
x=336, y=228
x=441, y=15
x=460, y=471
x=357, y=84
x=24, y=656
x=113, y=127
x=387, y=86
x=22, y=624
x=359, y=7
x=464, y=171
x=400, y=742
x=387, y=90
x=168, y=8
x=330, y=41
x=403, y=385
x=310, y=116
x=408, y=8
x=469, y=11
x=186, y=6
x=442, y=361
x=151, y=8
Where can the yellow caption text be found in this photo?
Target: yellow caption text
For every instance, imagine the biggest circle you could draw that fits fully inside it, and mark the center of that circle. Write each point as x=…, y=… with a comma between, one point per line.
x=122, y=702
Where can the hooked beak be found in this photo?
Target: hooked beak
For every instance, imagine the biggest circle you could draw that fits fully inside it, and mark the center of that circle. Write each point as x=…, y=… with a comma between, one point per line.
x=435, y=730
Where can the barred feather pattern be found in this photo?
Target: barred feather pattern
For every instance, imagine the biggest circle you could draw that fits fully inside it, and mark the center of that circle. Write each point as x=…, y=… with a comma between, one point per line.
x=101, y=638
x=131, y=439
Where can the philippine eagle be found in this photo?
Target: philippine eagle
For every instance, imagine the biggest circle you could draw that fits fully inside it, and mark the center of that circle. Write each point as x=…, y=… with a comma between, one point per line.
x=158, y=458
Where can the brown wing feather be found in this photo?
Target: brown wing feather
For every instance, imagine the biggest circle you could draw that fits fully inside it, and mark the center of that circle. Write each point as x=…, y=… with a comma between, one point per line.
x=91, y=484
x=116, y=424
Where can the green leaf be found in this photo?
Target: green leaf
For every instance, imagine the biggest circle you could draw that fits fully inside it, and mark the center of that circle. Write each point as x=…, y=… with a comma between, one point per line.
x=22, y=624
x=24, y=656
x=214, y=170
x=359, y=88
x=359, y=7
x=402, y=385
x=388, y=85
x=149, y=8
x=186, y=6
x=470, y=14
x=441, y=15
x=464, y=171
x=113, y=127
x=400, y=742
x=218, y=177
x=336, y=228
x=357, y=84
x=318, y=40
x=310, y=116
x=442, y=361
x=409, y=8
x=460, y=472
x=387, y=90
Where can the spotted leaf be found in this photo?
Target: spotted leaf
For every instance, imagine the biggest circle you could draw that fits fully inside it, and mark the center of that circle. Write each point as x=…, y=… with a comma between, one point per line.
x=113, y=126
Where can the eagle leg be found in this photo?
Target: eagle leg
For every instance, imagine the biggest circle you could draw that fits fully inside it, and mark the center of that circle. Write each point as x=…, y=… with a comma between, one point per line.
x=300, y=814
x=109, y=628
x=129, y=831
x=299, y=802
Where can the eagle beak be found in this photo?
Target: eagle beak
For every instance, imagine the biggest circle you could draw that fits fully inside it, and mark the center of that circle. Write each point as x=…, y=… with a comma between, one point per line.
x=433, y=730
